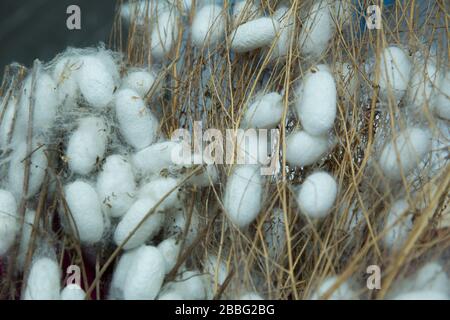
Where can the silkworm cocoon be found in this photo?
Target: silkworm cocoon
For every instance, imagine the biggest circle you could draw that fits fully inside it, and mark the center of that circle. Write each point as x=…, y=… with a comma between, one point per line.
x=72, y=292
x=303, y=149
x=38, y=166
x=394, y=70
x=87, y=145
x=208, y=27
x=343, y=292
x=244, y=11
x=45, y=104
x=398, y=226
x=422, y=295
x=139, y=81
x=176, y=223
x=275, y=234
x=316, y=106
x=171, y=295
x=96, y=81
x=317, y=30
x=432, y=276
x=217, y=272
x=8, y=220
x=145, y=276
x=254, y=34
x=158, y=188
x=65, y=76
x=137, y=123
x=243, y=195
x=207, y=177
x=8, y=136
x=120, y=274
x=190, y=285
x=155, y=158
x=442, y=103
x=412, y=145
x=317, y=195
x=85, y=216
x=116, y=186
x=421, y=90
x=251, y=296
x=147, y=230
x=347, y=80
x=164, y=33
x=43, y=281
x=27, y=229
x=265, y=112
x=286, y=28
x=170, y=249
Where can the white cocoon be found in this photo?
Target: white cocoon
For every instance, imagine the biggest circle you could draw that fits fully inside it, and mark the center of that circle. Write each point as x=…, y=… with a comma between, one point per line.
x=442, y=108
x=412, y=146
x=175, y=224
x=116, y=186
x=65, y=77
x=286, y=29
x=343, y=292
x=265, y=112
x=208, y=27
x=72, y=292
x=207, y=177
x=6, y=127
x=254, y=34
x=190, y=285
x=155, y=158
x=137, y=123
x=303, y=149
x=139, y=81
x=394, y=71
x=316, y=106
x=147, y=230
x=145, y=276
x=244, y=11
x=86, y=213
x=170, y=249
x=87, y=145
x=348, y=77
x=158, y=188
x=243, y=195
x=120, y=274
x=43, y=281
x=398, y=225
x=432, y=276
x=217, y=272
x=317, y=30
x=96, y=81
x=45, y=104
x=9, y=220
x=38, y=166
x=317, y=195
x=164, y=33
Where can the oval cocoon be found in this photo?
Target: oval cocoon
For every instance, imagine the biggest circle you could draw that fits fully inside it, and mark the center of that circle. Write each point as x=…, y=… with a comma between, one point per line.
x=120, y=274
x=158, y=188
x=398, y=225
x=38, y=166
x=303, y=149
x=72, y=292
x=164, y=33
x=139, y=81
x=316, y=106
x=243, y=195
x=170, y=249
x=265, y=112
x=317, y=195
x=137, y=123
x=87, y=145
x=8, y=220
x=208, y=27
x=442, y=108
x=254, y=34
x=43, y=281
x=343, y=292
x=244, y=11
x=412, y=145
x=148, y=229
x=86, y=215
x=155, y=158
x=145, y=276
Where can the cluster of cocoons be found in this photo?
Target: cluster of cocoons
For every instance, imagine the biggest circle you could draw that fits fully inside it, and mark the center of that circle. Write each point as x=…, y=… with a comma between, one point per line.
x=119, y=186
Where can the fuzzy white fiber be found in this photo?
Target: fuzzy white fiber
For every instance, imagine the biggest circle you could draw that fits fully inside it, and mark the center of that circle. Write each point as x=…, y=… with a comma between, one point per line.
x=243, y=11
x=170, y=249
x=208, y=27
x=398, y=224
x=158, y=188
x=116, y=186
x=145, y=276
x=43, y=281
x=86, y=217
x=265, y=112
x=155, y=158
x=254, y=34
x=190, y=285
x=120, y=274
x=9, y=220
x=137, y=123
x=317, y=195
x=72, y=292
x=141, y=81
x=243, y=195
x=164, y=33
x=303, y=149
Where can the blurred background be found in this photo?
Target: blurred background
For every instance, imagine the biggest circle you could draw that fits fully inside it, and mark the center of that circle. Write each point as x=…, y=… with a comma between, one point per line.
x=32, y=29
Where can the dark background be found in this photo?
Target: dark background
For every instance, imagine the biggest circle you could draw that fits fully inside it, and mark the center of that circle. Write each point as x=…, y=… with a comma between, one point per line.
x=31, y=29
